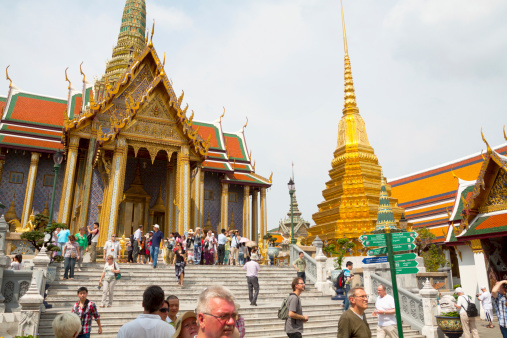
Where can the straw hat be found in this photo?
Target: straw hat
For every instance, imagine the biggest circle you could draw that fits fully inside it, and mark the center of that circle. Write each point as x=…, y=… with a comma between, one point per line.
x=191, y=231
x=179, y=321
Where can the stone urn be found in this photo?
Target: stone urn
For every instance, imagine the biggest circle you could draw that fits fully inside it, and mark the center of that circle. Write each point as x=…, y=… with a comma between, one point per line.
x=340, y=292
x=334, y=275
x=451, y=326
x=273, y=251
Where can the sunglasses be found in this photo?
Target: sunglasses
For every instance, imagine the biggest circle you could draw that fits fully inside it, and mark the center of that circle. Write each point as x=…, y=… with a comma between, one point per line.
x=164, y=310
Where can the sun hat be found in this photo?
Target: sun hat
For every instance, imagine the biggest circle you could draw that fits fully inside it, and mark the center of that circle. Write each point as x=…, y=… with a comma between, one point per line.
x=156, y=226
x=458, y=290
x=179, y=321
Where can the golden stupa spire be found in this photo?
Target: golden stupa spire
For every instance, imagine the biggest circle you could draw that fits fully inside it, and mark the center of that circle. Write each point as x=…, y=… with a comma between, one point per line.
x=350, y=95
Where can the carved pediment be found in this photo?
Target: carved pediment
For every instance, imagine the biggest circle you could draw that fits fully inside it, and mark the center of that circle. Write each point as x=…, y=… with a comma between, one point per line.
x=156, y=109
x=497, y=198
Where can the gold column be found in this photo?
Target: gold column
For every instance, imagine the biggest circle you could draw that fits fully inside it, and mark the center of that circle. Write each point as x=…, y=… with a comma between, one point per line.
x=169, y=198
x=201, y=200
x=76, y=208
x=264, y=214
x=68, y=181
x=224, y=207
x=255, y=214
x=196, y=198
x=30, y=188
x=246, y=211
x=87, y=182
x=184, y=189
x=116, y=182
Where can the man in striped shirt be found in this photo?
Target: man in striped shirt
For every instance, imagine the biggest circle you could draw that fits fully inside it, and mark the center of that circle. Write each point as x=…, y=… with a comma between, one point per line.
x=500, y=304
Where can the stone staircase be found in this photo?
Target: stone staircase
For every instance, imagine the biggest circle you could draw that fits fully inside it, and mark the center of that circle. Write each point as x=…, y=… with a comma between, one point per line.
x=261, y=320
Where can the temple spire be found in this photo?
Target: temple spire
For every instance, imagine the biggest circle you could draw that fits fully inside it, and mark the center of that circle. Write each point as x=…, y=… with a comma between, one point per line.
x=350, y=95
x=385, y=217
x=130, y=40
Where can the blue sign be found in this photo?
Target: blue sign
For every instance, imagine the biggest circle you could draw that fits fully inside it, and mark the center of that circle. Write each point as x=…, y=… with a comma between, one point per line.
x=373, y=260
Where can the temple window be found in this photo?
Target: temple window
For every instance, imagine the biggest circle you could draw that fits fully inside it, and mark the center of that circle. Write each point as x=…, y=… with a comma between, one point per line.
x=16, y=177
x=48, y=180
x=233, y=197
x=208, y=195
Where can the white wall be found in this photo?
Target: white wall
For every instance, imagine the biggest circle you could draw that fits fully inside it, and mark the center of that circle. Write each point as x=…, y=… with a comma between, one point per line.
x=469, y=272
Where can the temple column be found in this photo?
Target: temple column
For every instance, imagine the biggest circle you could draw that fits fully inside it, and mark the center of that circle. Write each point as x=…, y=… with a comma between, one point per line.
x=246, y=211
x=30, y=188
x=116, y=182
x=264, y=215
x=255, y=216
x=224, y=206
x=76, y=209
x=184, y=189
x=196, y=198
x=201, y=199
x=87, y=182
x=68, y=181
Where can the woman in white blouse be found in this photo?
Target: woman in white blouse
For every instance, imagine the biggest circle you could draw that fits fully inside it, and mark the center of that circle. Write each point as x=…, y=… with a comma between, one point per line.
x=108, y=276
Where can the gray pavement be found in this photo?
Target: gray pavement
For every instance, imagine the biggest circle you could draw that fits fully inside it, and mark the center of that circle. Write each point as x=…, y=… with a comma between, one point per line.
x=489, y=333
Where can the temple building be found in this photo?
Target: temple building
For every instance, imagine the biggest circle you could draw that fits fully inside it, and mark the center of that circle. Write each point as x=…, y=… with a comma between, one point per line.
x=351, y=196
x=464, y=204
x=133, y=156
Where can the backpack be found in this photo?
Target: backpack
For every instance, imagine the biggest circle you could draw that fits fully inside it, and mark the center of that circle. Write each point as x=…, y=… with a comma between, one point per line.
x=89, y=238
x=340, y=281
x=283, y=311
x=471, y=309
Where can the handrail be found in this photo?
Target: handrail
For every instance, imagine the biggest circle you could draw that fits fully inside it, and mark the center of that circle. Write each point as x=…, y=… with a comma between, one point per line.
x=412, y=311
x=311, y=264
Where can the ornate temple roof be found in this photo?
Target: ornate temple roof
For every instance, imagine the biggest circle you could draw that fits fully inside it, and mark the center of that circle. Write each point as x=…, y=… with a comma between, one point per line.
x=30, y=121
x=385, y=217
x=434, y=196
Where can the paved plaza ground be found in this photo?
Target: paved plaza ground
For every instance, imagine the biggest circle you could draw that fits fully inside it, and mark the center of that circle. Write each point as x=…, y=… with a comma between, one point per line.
x=489, y=333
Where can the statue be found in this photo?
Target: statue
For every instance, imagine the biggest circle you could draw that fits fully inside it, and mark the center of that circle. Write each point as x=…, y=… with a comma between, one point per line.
x=123, y=245
x=447, y=304
x=30, y=226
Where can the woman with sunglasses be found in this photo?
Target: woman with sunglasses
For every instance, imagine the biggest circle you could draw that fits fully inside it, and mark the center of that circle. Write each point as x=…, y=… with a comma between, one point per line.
x=179, y=262
x=164, y=311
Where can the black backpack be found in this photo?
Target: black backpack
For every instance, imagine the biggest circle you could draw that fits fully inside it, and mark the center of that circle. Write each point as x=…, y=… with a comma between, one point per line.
x=340, y=281
x=471, y=309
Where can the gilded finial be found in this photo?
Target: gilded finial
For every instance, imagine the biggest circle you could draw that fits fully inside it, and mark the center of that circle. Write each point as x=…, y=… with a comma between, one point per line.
x=66, y=77
x=448, y=213
x=147, y=34
x=222, y=114
x=454, y=175
x=271, y=178
x=10, y=81
x=250, y=155
x=253, y=166
x=81, y=71
x=191, y=117
x=504, y=135
x=246, y=124
x=151, y=37
x=464, y=201
x=180, y=99
x=350, y=95
x=487, y=144
x=482, y=155
x=163, y=62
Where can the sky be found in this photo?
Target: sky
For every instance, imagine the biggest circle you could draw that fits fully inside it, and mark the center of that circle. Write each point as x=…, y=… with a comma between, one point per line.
x=428, y=74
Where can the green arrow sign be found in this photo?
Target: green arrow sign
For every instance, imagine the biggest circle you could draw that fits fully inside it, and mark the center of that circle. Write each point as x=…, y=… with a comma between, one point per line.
x=412, y=234
x=403, y=240
x=374, y=243
x=378, y=251
x=403, y=247
x=406, y=271
x=406, y=264
x=376, y=237
x=404, y=257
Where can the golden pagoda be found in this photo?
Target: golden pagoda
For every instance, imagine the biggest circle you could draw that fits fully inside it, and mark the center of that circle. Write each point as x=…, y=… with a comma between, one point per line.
x=351, y=196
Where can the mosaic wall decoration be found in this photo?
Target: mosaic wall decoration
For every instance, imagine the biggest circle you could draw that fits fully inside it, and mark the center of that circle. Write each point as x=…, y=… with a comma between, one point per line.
x=41, y=192
x=212, y=182
x=18, y=161
x=22, y=247
x=96, y=194
x=236, y=208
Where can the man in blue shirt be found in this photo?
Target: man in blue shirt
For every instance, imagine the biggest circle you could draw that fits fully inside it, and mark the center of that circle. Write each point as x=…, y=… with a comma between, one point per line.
x=63, y=237
x=221, y=247
x=348, y=280
x=155, y=243
x=498, y=294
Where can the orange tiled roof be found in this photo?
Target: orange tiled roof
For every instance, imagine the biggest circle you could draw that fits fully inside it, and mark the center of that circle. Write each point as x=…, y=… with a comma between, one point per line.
x=235, y=147
x=486, y=226
x=207, y=130
x=29, y=143
x=32, y=131
x=2, y=103
x=34, y=109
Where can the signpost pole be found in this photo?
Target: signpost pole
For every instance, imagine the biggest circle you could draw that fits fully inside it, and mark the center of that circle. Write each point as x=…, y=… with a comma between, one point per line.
x=392, y=267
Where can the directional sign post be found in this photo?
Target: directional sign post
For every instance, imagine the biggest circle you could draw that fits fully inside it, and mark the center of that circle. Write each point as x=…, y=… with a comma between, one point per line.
x=373, y=260
x=404, y=257
x=407, y=264
x=377, y=251
x=390, y=258
x=406, y=271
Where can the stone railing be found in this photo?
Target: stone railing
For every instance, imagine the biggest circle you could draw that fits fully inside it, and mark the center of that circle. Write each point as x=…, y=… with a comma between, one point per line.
x=412, y=310
x=14, y=286
x=311, y=264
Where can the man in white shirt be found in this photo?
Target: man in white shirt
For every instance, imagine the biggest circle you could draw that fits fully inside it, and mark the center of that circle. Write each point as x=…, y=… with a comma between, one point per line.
x=221, y=247
x=468, y=323
x=148, y=324
x=137, y=237
x=112, y=247
x=485, y=298
x=386, y=312
x=252, y=271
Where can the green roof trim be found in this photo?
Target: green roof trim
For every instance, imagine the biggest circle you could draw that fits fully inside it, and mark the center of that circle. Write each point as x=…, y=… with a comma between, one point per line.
x=3, y=99
x=14, y=99
x=217, y=134
x=73, y=105
x=464, y=194
x=241, y=146
x=472, y=231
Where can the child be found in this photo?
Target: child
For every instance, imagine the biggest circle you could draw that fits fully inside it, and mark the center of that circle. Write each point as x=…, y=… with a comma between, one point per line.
x=85, y=310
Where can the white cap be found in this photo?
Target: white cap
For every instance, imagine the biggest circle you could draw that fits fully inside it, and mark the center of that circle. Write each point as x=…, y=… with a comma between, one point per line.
x=483, y=287
x=156, y=226
x=458, y=290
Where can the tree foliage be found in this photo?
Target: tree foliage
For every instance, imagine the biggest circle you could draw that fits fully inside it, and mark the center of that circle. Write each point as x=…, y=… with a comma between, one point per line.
x=340, y=249
x=41, y=235
x=432, y=254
